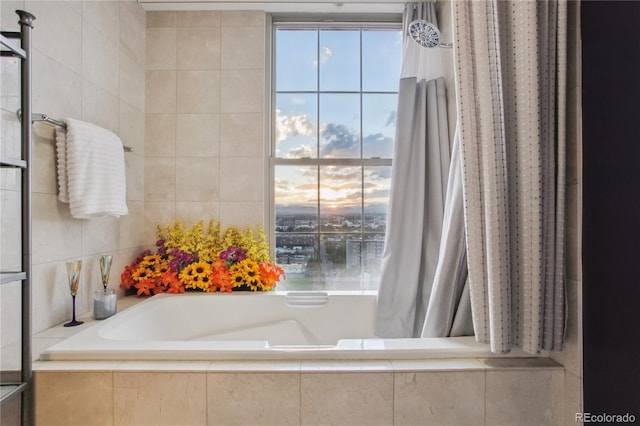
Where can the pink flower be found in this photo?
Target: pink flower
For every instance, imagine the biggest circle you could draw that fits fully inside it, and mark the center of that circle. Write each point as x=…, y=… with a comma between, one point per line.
x=233, y=254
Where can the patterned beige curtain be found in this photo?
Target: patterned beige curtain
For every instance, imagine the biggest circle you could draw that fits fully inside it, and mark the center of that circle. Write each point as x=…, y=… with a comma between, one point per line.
x=510, y=76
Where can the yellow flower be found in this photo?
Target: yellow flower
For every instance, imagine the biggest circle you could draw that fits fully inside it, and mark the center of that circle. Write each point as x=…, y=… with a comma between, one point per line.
x=196, y=275
x=141, y=273
x=246, y=272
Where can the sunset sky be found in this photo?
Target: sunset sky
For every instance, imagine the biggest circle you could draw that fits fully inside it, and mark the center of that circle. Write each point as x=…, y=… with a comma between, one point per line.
x=308, y=62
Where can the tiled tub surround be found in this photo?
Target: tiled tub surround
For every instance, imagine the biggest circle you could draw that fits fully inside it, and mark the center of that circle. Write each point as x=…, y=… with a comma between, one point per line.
x=294, y=392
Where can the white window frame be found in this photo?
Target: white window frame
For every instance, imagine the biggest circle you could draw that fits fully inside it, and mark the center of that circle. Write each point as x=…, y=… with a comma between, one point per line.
x=379, y=21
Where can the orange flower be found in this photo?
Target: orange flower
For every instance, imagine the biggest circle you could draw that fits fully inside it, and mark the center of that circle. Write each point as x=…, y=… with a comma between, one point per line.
x=145, y=287
x=270, y=274
x=220, y=276
x=126, y=278
x=176, y=288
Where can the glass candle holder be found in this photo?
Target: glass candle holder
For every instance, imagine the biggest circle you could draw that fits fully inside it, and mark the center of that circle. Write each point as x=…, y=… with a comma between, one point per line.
x=104, y=301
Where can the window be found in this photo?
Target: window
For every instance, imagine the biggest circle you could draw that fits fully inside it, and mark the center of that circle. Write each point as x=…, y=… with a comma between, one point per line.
x=335, y=99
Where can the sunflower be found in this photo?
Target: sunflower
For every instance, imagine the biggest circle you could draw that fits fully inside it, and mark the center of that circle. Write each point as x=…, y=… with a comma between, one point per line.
x=246, y=272
x=141, y=274
x=196, y=275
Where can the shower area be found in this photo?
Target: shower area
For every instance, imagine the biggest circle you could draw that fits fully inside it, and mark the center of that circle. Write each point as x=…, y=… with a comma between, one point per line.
x=156, y=104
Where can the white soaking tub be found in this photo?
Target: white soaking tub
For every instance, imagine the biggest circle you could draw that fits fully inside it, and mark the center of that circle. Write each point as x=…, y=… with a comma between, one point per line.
x=249, y=326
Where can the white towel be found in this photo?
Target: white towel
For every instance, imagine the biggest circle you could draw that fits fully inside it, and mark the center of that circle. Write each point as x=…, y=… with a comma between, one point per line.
x=91, y=166
x=61, y=159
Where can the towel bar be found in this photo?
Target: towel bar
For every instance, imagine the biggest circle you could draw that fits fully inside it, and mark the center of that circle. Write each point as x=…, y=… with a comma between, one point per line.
x=47, y=119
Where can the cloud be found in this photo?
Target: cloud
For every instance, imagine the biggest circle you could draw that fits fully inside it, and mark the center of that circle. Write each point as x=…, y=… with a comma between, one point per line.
x=338, y=140
x=378, y=145
x=293, y=125
x=325, y=55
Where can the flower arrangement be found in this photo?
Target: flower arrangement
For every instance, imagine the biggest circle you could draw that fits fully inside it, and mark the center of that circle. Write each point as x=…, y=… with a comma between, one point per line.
x=200, y=259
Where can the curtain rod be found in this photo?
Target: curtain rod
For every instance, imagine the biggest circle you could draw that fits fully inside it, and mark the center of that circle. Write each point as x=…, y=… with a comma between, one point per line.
x=47, y=119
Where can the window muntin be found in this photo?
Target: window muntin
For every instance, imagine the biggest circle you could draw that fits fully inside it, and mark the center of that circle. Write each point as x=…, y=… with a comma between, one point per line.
x=334, y=118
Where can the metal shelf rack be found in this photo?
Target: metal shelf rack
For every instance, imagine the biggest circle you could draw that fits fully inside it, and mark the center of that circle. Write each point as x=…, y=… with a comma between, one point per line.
x=9, y=48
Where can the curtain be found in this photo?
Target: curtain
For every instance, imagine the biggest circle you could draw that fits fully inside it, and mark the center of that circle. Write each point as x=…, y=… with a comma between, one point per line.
x=510, y=77
x=417, y=199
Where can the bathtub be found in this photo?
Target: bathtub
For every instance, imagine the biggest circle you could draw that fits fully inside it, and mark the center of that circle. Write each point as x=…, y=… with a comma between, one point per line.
x=250, y=326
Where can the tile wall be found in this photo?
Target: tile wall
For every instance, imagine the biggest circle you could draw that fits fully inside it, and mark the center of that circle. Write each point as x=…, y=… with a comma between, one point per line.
x=205, y=113
x=436, y=392
x=88, y=63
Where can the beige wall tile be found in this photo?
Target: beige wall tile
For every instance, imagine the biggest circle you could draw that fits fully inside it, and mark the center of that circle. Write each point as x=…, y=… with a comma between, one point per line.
x=132, y=32
x=160, y=92
x=55, y=235
x=197, y=179
x=242, y=91
x=100, y=107
x=190, y=213
x=10, y=134
x=160, y=139
x=203, y=18
x=132, y=83
x=99, y=234
x=160, y=179
x=242, y=179
x=132, y=127
x=161, y=49
x=51, y=301
x=7, y=7
x=347, y=398
x=57, y=90
x=104, y=16
x=199, y=48
x=242, y=133
x=134, y=172
x=157, y=213
x=68, y=398
x=242, y=214
x=162, y=19
x=533, y=397
x=243, y=48
x=43, y=171
x=197, y=135
x=250, y=399
x=198, y=92
x=10, y=83
x=11, y=254
x=10, y=315
x=572, y=397
x=159, y=398
x=50, y=35
x=130, y=233
x=439, y=398
x=100, y=59
x=240, y=18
